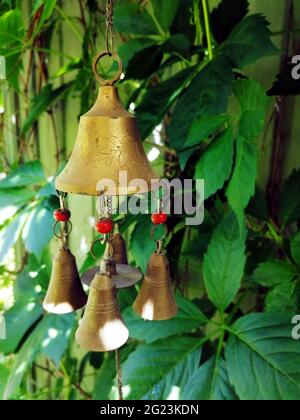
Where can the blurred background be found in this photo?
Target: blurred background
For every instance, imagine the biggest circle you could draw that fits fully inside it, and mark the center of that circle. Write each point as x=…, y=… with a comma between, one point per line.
x=48, y=48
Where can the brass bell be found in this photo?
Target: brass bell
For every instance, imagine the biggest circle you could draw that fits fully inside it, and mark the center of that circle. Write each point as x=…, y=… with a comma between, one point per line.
x=108, y=141
x=156, y=301
x=102, y=328
x=65, y=292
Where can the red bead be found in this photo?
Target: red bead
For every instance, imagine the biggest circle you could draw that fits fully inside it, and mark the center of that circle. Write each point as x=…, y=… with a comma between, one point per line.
x=62, y=215
x=159, y=218
x=104, y=226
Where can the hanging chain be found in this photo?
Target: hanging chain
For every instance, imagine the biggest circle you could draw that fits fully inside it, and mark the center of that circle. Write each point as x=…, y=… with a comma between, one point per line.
x=119, y=375
x=159, y=229
x=110, y=30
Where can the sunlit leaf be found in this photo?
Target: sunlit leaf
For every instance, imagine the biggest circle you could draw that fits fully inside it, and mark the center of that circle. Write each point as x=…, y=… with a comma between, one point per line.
x=19, y=318
x=50, y=337
x=28, y=174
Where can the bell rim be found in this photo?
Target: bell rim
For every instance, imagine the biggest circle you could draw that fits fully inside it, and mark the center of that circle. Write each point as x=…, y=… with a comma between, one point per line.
x=119, y=191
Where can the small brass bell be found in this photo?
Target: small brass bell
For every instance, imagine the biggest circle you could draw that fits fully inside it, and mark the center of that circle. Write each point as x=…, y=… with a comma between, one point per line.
x=65, y=292
x=108, y=142
x=156, y=301
x=102, y=328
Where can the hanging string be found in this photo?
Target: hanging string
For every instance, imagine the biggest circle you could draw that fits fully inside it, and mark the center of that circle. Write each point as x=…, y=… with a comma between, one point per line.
x=119, y=375
x=110, y=30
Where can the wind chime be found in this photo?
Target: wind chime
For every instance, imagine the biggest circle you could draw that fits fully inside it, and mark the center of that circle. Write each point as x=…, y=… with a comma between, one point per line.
x=108, y=142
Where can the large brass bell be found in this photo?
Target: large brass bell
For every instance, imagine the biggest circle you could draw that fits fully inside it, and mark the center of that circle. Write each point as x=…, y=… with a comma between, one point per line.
x=102, y=328
x=156, y=301
x=65, y=293
x=108, y=142
x=122, y=274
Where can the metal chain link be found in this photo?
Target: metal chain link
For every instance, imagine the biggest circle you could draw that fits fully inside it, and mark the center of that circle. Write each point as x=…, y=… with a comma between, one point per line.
x=110, y=30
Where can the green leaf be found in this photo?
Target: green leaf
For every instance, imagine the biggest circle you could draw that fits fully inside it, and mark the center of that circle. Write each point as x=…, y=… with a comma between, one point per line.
x=295, y=248
x=11, y=232
x=273, y=273
x=43, y=101
x=49, y=337
x=142, y=249
x=165, y=12
x=172, y=385
x=130, y=48
x=207, y=95
x=144, y=63
x=74, y=64
x=215, y=164
x=11, y=39
x=282, y=299
x=249, y=41
x=210, y=382
x=4, y=373
x=57, y=336
x=33, y=280
x=11, y=29
x=158, y=100
x=226, y=16
x=48, y=9
x=28, y=174
x=37, y=231
x=257, y=206
x=16, y=196
x=263, y=359
x=242, y=184
x=285, y=84
x=19, y=318
x=224, y=262
x=148, y=365
x=178, y=44
x=253, y=102
x=130, y=19
x=187, y=319
x=203, y=128
x=289, y=207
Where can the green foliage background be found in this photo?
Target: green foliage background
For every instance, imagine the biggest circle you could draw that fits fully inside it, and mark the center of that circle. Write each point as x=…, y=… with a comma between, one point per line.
x=236, y=275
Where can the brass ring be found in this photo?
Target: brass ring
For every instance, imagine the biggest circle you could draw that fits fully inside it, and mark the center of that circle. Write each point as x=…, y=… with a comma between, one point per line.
x=153, y=230
x=110, y=249
x=109, y=82
x=68, y=223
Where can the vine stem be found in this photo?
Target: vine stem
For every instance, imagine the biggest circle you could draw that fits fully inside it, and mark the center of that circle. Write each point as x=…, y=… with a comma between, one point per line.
x=207, y=29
